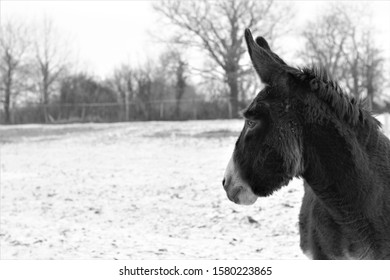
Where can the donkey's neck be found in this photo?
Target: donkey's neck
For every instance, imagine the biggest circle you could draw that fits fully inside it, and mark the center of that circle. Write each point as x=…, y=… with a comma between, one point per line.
x=337, y=164
x=344, y=173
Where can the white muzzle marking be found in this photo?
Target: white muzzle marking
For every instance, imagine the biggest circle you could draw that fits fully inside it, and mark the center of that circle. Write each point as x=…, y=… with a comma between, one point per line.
x=236, y=188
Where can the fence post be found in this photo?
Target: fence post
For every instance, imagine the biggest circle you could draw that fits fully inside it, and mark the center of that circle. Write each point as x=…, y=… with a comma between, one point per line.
x=230, y=109
x=83, y=111
x=127, y=111
x=161, y=110
x=195, y=109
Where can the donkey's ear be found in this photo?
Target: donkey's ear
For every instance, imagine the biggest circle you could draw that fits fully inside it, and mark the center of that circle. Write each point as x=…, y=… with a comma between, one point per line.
x=262, y=58
x=263, y=43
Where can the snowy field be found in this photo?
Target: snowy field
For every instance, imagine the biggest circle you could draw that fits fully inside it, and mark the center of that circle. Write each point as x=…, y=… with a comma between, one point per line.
x=134, y=191
x=149, y=190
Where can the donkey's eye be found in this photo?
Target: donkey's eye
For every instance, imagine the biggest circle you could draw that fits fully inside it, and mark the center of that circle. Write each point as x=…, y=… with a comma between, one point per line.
x=251, y=124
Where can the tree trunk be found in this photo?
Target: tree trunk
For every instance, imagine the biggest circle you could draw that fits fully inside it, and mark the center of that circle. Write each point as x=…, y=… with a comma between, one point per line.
x=177, y=110
x=45, y=92
x=7, y=97
x=45, y=108
x=161, y=110
x=370, y=94
x=370, y=70
x=180, y=87
x=123, y=114
x=126, y=110
x=7, y=102
x=179, y=95
x=232, y=81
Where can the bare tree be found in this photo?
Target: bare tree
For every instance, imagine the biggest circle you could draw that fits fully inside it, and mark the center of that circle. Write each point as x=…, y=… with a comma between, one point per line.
x=345, y=48
x=176, y=70
x=372, y=72
x=326, y=40
x=50, y=62
x=217, y=28
x=123, y=82
x=13, y=50
x=144, y=89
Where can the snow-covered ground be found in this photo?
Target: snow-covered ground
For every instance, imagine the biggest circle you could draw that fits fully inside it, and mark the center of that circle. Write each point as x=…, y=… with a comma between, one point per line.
x=149, y=190
x=134, y=191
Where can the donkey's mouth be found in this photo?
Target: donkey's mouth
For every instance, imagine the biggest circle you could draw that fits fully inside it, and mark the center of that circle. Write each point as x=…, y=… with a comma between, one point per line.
x=240, y=195
x=233, y=195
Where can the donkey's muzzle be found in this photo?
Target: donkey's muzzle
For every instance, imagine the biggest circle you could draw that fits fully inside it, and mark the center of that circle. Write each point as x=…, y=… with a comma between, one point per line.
x=236, y=188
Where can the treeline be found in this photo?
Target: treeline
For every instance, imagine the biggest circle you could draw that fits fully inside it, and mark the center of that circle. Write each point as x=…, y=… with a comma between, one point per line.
x=153, y=91
x=39, y=83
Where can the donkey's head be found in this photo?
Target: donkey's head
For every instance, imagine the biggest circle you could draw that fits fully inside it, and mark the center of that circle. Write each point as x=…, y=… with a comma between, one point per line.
x=268, y=152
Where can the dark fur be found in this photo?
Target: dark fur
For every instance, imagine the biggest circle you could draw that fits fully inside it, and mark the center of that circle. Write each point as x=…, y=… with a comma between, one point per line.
x=307, y=127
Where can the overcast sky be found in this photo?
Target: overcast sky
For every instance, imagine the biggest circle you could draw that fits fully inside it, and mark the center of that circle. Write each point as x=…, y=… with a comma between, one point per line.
x=104, y=34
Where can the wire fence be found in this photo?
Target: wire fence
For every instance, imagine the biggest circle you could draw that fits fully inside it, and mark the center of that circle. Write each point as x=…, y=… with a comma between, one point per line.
x=116, y=112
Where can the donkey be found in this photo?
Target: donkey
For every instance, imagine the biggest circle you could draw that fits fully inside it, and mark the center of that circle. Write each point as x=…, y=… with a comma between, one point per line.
x=303, y=125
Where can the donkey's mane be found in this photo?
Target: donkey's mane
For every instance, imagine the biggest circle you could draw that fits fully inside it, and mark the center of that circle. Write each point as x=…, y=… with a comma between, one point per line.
x=346, y=108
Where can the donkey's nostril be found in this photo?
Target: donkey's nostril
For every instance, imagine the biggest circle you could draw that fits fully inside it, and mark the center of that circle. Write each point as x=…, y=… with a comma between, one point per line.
x=223, y=182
